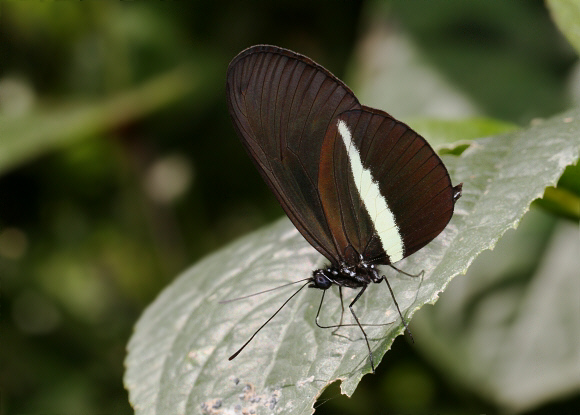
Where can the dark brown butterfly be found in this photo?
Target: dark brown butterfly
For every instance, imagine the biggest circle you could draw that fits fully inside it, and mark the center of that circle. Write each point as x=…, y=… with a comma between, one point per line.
x=363, y=188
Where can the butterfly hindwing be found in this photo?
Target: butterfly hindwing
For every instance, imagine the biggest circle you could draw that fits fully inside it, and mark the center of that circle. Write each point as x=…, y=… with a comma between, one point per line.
x=392, y=190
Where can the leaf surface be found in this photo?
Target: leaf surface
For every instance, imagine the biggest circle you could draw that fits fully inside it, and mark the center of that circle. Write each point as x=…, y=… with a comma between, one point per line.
x=178, y=355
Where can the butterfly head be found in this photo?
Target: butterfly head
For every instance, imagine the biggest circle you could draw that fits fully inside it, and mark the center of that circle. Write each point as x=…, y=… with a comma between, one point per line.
x=321, y=279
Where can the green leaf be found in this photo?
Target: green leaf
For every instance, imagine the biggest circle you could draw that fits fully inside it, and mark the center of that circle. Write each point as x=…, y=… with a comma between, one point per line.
x=26, y=137
x=570, y=180
x=561, y=202
x=404, y=83
x=178, y=356
x=566, y=14
x=564, y=200
x=509, y=329
x=447, y=133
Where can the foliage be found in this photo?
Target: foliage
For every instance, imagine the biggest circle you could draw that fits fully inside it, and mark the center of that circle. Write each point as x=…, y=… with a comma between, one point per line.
x=181, y=344
x=119, y=168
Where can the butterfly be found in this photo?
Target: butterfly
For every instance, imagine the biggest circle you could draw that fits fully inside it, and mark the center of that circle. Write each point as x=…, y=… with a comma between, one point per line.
x=362, y=188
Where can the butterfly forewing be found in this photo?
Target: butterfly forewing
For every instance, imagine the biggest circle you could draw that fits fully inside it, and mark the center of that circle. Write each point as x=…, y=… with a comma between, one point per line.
x=282, y=104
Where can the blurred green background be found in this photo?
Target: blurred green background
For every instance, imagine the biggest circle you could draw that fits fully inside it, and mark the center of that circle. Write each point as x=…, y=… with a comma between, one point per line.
x=119, y=166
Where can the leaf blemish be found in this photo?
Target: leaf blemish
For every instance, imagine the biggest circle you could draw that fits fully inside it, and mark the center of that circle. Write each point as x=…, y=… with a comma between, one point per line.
x=212, y=407
x=301, y=383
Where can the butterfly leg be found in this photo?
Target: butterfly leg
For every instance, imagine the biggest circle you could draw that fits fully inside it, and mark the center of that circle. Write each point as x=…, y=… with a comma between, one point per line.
x=341, y=310
x=318, y=312
x=398, y=309
x=334, y=326
x=360, y=326
x=340, y=324
x=419, y=275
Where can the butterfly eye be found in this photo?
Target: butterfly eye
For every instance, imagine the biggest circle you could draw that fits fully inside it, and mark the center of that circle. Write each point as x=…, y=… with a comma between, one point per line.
x=321, y=281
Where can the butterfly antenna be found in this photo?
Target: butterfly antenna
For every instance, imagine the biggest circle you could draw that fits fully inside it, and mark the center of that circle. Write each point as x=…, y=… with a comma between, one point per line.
x=261, y=292
x=267, y=321
x=318, y=404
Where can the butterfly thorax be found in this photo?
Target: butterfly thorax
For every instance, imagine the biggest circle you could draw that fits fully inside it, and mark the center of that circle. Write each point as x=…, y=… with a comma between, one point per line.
x=351, y=276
